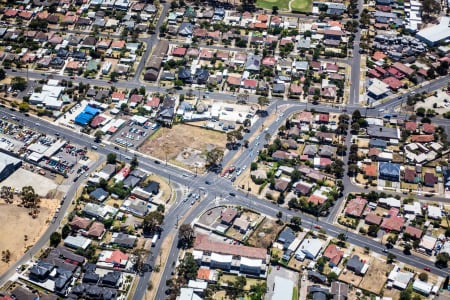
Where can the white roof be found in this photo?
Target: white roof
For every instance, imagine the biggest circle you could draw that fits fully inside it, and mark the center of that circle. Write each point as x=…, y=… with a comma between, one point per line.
x=250, y=262
x=188, y=294
x=378, y=87
x=413, y=208
x=386, y=156
x=428, y=242
x=77, y=242
x=283, y=288
x=446, y=247
x=197, y=284
x=311, y=246
x=436, y=33
x=434, y=212
x=221, y=258
x=391, y=202
x=422, y=286
x=139, y=119
x=6, y=159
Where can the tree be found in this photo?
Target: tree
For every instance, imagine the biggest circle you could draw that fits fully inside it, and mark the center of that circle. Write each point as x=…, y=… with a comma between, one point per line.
x=355, y=127
x=263, y=101
x=342, y=236
x=98, y=135
x=134, y=162
x=185, y=236
x=188, y=268
x=236, y=288
x=279, y=214
x=296, y=221
x=423, y=276
x=332, y=277
x=65, y=231
x=29, y=197
x=442, y=260
x=447, y=232
x=55, y=239
x=405, y=295
x=356, y=115
x=151, y=222
x=18, y=83
x=390, y=258
x=257, y=291
x=407, y=249
x=2, y=74
x=214, y=157
x=111, y=158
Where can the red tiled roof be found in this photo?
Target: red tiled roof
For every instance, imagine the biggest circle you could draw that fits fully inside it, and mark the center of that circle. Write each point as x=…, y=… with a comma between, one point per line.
x=402, y=68
x=373, y=152
x=25, y=14
x=378, y=55
x=394, y=223
x=413, y=231
x=422, y=138
x=305, y=116
x=268, y=61
x=411, y=126
x=355, y=207
x=232, y=80
x=118, y=95
x=262, y=18
x=250, y=83
x=393, y=82
x=370, y=170
x=136, y=98
x=153, y=102
x=324, y=118
x=428, y=128
x=80, y=223
x=410, y=175
x=373, y=218
x=334, y=254
x=10, y=12
x=374, y=73
x=97, y=120
x=316, y=199
x=203, y=243
x=228, y=215
x=117, y=257
x=295, y=89
x=96, y=229
x=203, y=273
x=179, y=51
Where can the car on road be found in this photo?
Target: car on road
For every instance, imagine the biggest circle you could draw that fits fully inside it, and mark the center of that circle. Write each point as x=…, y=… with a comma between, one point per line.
x=278, y=267
x=233, y=179
x=157, y=162
x=317, y=226
x=385, y=250
x=232, y=194
x=207, y=182
x=427, y=269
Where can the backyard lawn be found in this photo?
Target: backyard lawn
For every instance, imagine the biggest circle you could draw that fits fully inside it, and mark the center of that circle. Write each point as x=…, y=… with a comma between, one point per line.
x=268, y=4
x=301, y=5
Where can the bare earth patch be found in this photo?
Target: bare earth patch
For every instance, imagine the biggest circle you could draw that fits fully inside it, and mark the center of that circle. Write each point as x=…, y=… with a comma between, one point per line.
x=19, y=230
x=266, y=232
x=183, y=145
x=376, y=277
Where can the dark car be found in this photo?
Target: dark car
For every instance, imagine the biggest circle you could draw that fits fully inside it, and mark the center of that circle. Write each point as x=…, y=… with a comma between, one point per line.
x=232, y=194
x=157, y=162
x=116, y=147
x=208, y=182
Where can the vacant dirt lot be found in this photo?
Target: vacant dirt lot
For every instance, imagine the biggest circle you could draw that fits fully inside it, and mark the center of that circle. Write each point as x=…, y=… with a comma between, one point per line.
x=376, y=277
x=183, y=139
x=265, y=234
x=20, y=230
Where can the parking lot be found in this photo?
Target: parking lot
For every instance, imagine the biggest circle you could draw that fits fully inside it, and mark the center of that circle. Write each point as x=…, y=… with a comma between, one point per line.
x=132, y=135
x=66, y=159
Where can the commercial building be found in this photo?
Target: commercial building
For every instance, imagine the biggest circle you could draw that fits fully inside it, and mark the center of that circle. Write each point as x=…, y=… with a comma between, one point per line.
x=8, y=164
x=435, y=34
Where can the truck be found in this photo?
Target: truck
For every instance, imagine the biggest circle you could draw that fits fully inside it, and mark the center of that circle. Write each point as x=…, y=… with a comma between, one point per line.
x=155, y=239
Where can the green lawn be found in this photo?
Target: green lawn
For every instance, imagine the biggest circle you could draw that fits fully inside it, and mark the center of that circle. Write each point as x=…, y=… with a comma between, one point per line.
x=295, y=294
x=302, y=5
x=268, y=4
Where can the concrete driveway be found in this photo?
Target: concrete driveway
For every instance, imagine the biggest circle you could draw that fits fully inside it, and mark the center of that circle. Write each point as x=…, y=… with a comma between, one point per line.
x=282, y=272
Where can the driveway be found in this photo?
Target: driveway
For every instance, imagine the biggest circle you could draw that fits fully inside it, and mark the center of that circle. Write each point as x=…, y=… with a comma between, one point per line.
x=282, y=272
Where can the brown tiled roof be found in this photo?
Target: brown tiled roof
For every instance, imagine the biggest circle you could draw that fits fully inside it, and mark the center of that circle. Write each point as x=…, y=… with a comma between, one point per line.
x=333, y=253
x=394, y=222
x=228, y=215
x=96, y=229
x=413, y=231
x=80, y=223
x=422, y=138
x=355, y=207
x=411, y=126
x=373, y=218
x=370, y=170
x=428, y=128
x=203, y=243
